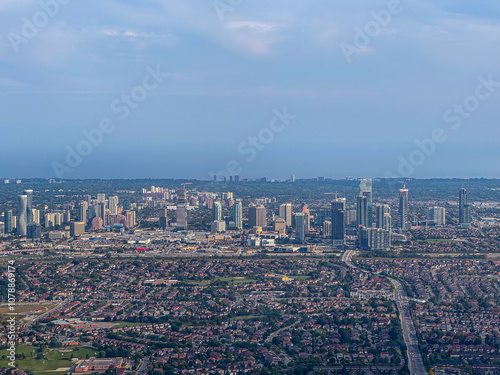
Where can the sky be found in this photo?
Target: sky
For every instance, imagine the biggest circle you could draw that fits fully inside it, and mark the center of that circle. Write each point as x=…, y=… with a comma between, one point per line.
x=259, y=88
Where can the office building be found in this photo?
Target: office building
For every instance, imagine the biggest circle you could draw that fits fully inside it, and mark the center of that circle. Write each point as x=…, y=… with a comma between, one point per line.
x=327, y=228
x=22, y=218
x=279, y=226
x=217, y=211
x=300, y=227
x=238, y=214
x=67, y=216
x=8, y=221
x=163, y=222
x=464, y=218
x=286, y=213
x=218, y=226
x=257, y=216
x=403, y=208
x=350, y=217
x=77, y=228
x=365, y=190
x=113, y=205
x=34, y=231
x=100, y=210
x=130, y=219
x=387, y=222
x=36, y=216
x=380, y=211
x=362, y=211
x=82, y=212
x=338, y=222
x=163, y=219
x=307, y=214
x=437, y=215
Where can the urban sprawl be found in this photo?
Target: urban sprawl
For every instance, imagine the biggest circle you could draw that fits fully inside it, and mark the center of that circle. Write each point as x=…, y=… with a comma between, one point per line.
x=318, y=276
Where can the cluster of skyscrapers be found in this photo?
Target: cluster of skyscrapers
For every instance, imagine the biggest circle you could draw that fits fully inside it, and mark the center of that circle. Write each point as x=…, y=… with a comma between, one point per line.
x=369, y=224
x=95, y=214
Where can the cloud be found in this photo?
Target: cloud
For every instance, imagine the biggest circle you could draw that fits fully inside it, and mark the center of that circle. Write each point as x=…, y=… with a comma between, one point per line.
x=252, y=26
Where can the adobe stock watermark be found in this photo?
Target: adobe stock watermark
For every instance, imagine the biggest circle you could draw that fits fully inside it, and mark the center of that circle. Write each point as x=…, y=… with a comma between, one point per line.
x=121, y=107
x=11, y=321
x=31, y=26
x=363, y=36
x=221, y=7
x=454, y=117
x=255, y=143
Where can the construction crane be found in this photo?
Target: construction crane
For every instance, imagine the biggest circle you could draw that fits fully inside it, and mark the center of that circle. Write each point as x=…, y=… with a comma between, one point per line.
x=186, y=183
x=404, y=183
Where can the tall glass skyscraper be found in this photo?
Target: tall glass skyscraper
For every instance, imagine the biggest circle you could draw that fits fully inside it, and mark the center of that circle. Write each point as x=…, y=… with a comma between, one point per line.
x=463, y=209
x=403, y=208
x=8, y=221
x=217, y=211
x=82, y=212
x=338, y=222
x=362, y=211
x=365, y=190
x=238, y=214
x=29, y=205
x=300, y=227
x=22, y=219
x=380, y=211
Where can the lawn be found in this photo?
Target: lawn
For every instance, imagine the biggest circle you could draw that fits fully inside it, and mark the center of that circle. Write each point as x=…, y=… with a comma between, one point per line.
x=128, y=324
x=20, y=309
x=53, y=358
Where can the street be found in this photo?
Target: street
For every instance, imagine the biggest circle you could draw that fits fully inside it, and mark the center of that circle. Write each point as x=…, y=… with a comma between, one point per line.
x=415, y=363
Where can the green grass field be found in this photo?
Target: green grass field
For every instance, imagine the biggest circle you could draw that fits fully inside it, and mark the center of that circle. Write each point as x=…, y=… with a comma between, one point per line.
x=53, y=359
x=128, y=324
x=21, y=309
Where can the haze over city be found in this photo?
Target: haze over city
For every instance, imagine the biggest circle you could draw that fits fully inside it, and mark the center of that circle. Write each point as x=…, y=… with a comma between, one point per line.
x=361, y=96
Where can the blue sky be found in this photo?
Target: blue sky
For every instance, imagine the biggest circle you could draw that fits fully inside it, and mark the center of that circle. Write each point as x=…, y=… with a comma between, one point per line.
x=226, y=76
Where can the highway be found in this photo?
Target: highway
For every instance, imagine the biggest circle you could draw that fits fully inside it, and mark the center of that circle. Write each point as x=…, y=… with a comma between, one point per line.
x=415, y=363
